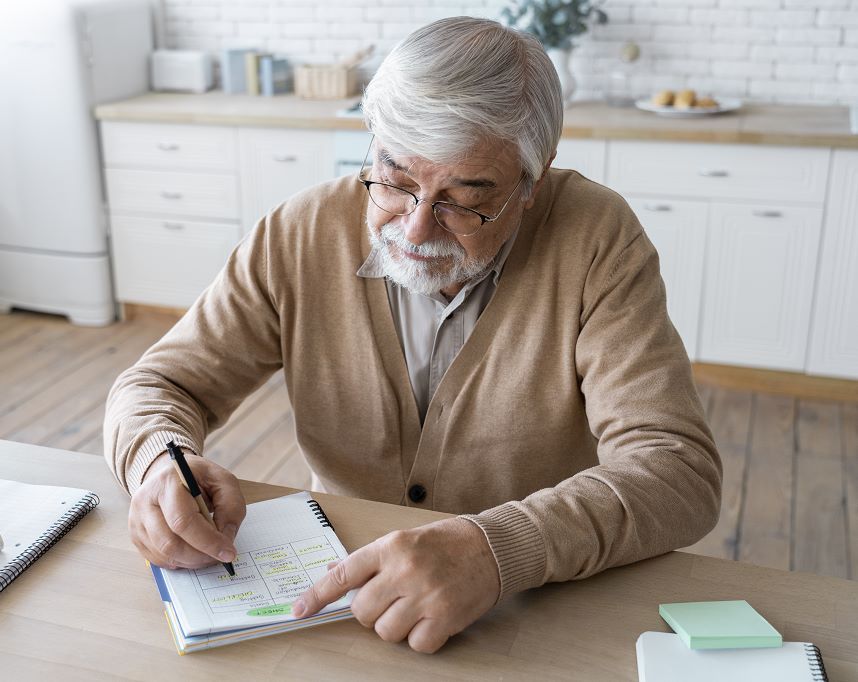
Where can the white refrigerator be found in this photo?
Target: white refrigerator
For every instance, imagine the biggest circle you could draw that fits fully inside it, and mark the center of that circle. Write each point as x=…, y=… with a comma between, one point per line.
x=58, y=60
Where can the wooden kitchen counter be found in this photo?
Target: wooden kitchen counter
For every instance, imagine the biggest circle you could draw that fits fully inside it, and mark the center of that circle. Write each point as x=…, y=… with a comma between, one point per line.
x=770, y=124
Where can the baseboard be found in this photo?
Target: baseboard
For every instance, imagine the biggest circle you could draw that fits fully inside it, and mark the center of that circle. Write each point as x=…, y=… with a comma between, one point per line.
x=782, y=383
x=131, y=311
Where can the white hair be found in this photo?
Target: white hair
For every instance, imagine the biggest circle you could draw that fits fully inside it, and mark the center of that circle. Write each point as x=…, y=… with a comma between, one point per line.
x=459, y=81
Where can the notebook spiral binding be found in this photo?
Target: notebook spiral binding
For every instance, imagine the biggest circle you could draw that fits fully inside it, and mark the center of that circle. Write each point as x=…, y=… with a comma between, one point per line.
x=47, y=539
x=814, y=659
x=320, y=514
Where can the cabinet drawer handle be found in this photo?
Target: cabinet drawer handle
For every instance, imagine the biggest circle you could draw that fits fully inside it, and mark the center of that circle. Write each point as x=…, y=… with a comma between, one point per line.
x=174, y=226
x=658, y=207
x=168, y=146
x=171, y=195
x=768, y=214
x=713, y=173
x=284, y=158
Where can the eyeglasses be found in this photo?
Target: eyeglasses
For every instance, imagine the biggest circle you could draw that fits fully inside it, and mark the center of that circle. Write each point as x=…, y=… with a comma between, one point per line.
x=459, y=220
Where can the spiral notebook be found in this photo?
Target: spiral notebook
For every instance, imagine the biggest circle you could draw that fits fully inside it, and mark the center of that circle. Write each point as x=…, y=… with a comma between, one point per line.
x=284, y=546
x=32, y=519
x=664, y=657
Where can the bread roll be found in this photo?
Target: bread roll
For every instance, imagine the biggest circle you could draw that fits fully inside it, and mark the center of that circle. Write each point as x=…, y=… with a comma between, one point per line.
x=685, y=99
x=663, y=98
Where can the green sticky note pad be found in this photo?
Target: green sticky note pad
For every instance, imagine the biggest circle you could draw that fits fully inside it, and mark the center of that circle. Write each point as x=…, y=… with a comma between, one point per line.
x=720, y=625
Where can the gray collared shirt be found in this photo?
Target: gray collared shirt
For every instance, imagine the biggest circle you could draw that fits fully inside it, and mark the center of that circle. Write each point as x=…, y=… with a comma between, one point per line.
x=431, y=329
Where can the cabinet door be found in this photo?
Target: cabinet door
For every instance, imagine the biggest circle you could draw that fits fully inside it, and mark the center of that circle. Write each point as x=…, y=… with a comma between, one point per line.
x=167, y=262
x=718, y=171
x=760, y=265
x=275, y=164
x=168, y=147
x=678, y=231
x=834, y=334
x=204, y=195
x=585, y=156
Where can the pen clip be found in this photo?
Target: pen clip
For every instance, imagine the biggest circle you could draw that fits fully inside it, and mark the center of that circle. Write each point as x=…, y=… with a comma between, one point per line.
x=188, y=479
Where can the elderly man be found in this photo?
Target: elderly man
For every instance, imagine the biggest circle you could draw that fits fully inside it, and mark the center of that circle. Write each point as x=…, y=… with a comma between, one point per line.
x=461, y=328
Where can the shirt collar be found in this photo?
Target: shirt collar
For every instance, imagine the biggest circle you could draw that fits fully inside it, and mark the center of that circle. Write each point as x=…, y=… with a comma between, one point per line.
x=372, y=267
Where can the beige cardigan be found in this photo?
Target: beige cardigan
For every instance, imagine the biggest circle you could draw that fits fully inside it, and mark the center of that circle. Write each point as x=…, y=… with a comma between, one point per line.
x=568, y=426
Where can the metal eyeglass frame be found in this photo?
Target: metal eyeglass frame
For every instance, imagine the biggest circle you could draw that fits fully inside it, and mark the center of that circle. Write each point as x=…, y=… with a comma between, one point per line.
x=417, y=201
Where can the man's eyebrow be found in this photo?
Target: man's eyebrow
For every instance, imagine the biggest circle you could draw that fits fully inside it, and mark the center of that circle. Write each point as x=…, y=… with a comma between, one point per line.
x=477, y=183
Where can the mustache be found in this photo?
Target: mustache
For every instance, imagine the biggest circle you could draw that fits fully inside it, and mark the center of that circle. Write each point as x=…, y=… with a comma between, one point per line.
x=439, y=248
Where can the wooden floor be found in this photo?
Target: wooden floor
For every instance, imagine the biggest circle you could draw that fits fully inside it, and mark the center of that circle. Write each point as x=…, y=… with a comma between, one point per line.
x=790, y=465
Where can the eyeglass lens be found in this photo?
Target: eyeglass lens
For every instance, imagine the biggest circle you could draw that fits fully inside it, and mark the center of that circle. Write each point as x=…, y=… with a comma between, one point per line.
x=454, y=218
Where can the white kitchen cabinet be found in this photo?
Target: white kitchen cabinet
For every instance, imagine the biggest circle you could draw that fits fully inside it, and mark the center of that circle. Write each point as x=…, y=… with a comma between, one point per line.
x=677, y=229
x=765, y=207
x=274, y=164
x=350, y=149
x=168, y=262
x=206, y=195
x=585, y=156
x=760, y=267
x=834, y=332
x=716, y=171
x=169, y=146
x=174, y=207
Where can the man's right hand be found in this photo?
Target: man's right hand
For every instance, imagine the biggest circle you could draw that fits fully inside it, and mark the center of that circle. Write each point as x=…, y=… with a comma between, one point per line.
x=168, y=528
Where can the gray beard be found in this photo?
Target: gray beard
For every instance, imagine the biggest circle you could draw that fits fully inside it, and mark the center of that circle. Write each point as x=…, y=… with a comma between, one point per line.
x=423, y=277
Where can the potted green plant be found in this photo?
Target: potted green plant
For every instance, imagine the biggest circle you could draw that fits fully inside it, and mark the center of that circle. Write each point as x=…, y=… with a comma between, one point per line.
x=556, y=23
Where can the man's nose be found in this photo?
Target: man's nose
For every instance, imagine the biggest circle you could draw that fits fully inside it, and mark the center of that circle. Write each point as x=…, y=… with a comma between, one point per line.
x=421, y=226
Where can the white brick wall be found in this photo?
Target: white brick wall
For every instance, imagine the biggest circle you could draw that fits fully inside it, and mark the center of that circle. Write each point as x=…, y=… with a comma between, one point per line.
x=763, y=50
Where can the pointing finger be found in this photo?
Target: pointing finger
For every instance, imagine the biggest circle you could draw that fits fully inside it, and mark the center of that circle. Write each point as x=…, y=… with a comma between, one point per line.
x=349, y=573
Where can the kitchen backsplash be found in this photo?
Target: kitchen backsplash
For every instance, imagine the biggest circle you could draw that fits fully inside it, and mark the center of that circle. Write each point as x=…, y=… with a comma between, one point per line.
x=764, y=50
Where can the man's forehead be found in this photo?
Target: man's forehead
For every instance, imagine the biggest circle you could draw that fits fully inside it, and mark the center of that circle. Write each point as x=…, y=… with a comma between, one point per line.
x=485, y=167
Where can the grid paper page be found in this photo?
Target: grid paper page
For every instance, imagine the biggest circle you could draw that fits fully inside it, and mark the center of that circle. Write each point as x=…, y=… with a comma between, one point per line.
x=283, y=549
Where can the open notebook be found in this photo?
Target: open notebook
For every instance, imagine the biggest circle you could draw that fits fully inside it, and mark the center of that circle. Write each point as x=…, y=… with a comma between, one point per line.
x=284, y=546
x=32, y=519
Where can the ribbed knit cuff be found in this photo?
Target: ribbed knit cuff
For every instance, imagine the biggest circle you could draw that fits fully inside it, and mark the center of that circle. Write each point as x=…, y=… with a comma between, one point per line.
x=154, y=445
x=517, y=545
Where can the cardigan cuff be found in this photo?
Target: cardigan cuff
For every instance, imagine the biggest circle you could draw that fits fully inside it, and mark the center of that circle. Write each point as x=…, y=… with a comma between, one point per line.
x=154, y=445
x=517, y=545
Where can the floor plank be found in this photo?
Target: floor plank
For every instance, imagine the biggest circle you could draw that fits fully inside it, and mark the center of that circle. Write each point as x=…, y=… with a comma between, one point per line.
x=38, y=341
x=730, y=419
x=268, y=452
x=26, y=418
x=269, y=409
x=76, y=356
x=820, y=519
x=849, y=429
x=765, y=530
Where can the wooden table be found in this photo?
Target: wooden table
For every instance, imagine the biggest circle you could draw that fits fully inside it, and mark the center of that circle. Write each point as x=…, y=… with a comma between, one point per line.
x=89, y=609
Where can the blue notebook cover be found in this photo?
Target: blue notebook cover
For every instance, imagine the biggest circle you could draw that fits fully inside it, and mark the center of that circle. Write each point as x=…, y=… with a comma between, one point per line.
x=232, y=74
x=275, y=76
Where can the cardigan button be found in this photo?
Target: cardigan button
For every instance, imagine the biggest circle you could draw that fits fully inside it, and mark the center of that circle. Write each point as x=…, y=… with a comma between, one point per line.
x=417, y=493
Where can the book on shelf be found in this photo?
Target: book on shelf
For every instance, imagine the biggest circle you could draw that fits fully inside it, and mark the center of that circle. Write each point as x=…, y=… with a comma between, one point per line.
x=233, y=73
x=251, y=69
x=275, y=76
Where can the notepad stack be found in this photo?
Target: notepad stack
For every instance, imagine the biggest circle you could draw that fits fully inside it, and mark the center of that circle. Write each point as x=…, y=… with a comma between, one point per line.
x=284, y=546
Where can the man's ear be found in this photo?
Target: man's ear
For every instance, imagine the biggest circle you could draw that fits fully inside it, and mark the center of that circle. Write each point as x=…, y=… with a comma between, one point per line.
x=532, y=198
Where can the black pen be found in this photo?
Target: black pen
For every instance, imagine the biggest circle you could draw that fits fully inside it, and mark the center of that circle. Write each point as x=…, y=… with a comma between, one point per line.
x=188, y=480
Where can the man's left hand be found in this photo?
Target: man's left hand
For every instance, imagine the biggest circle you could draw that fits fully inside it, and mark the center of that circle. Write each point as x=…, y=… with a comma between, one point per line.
x=426, y=584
